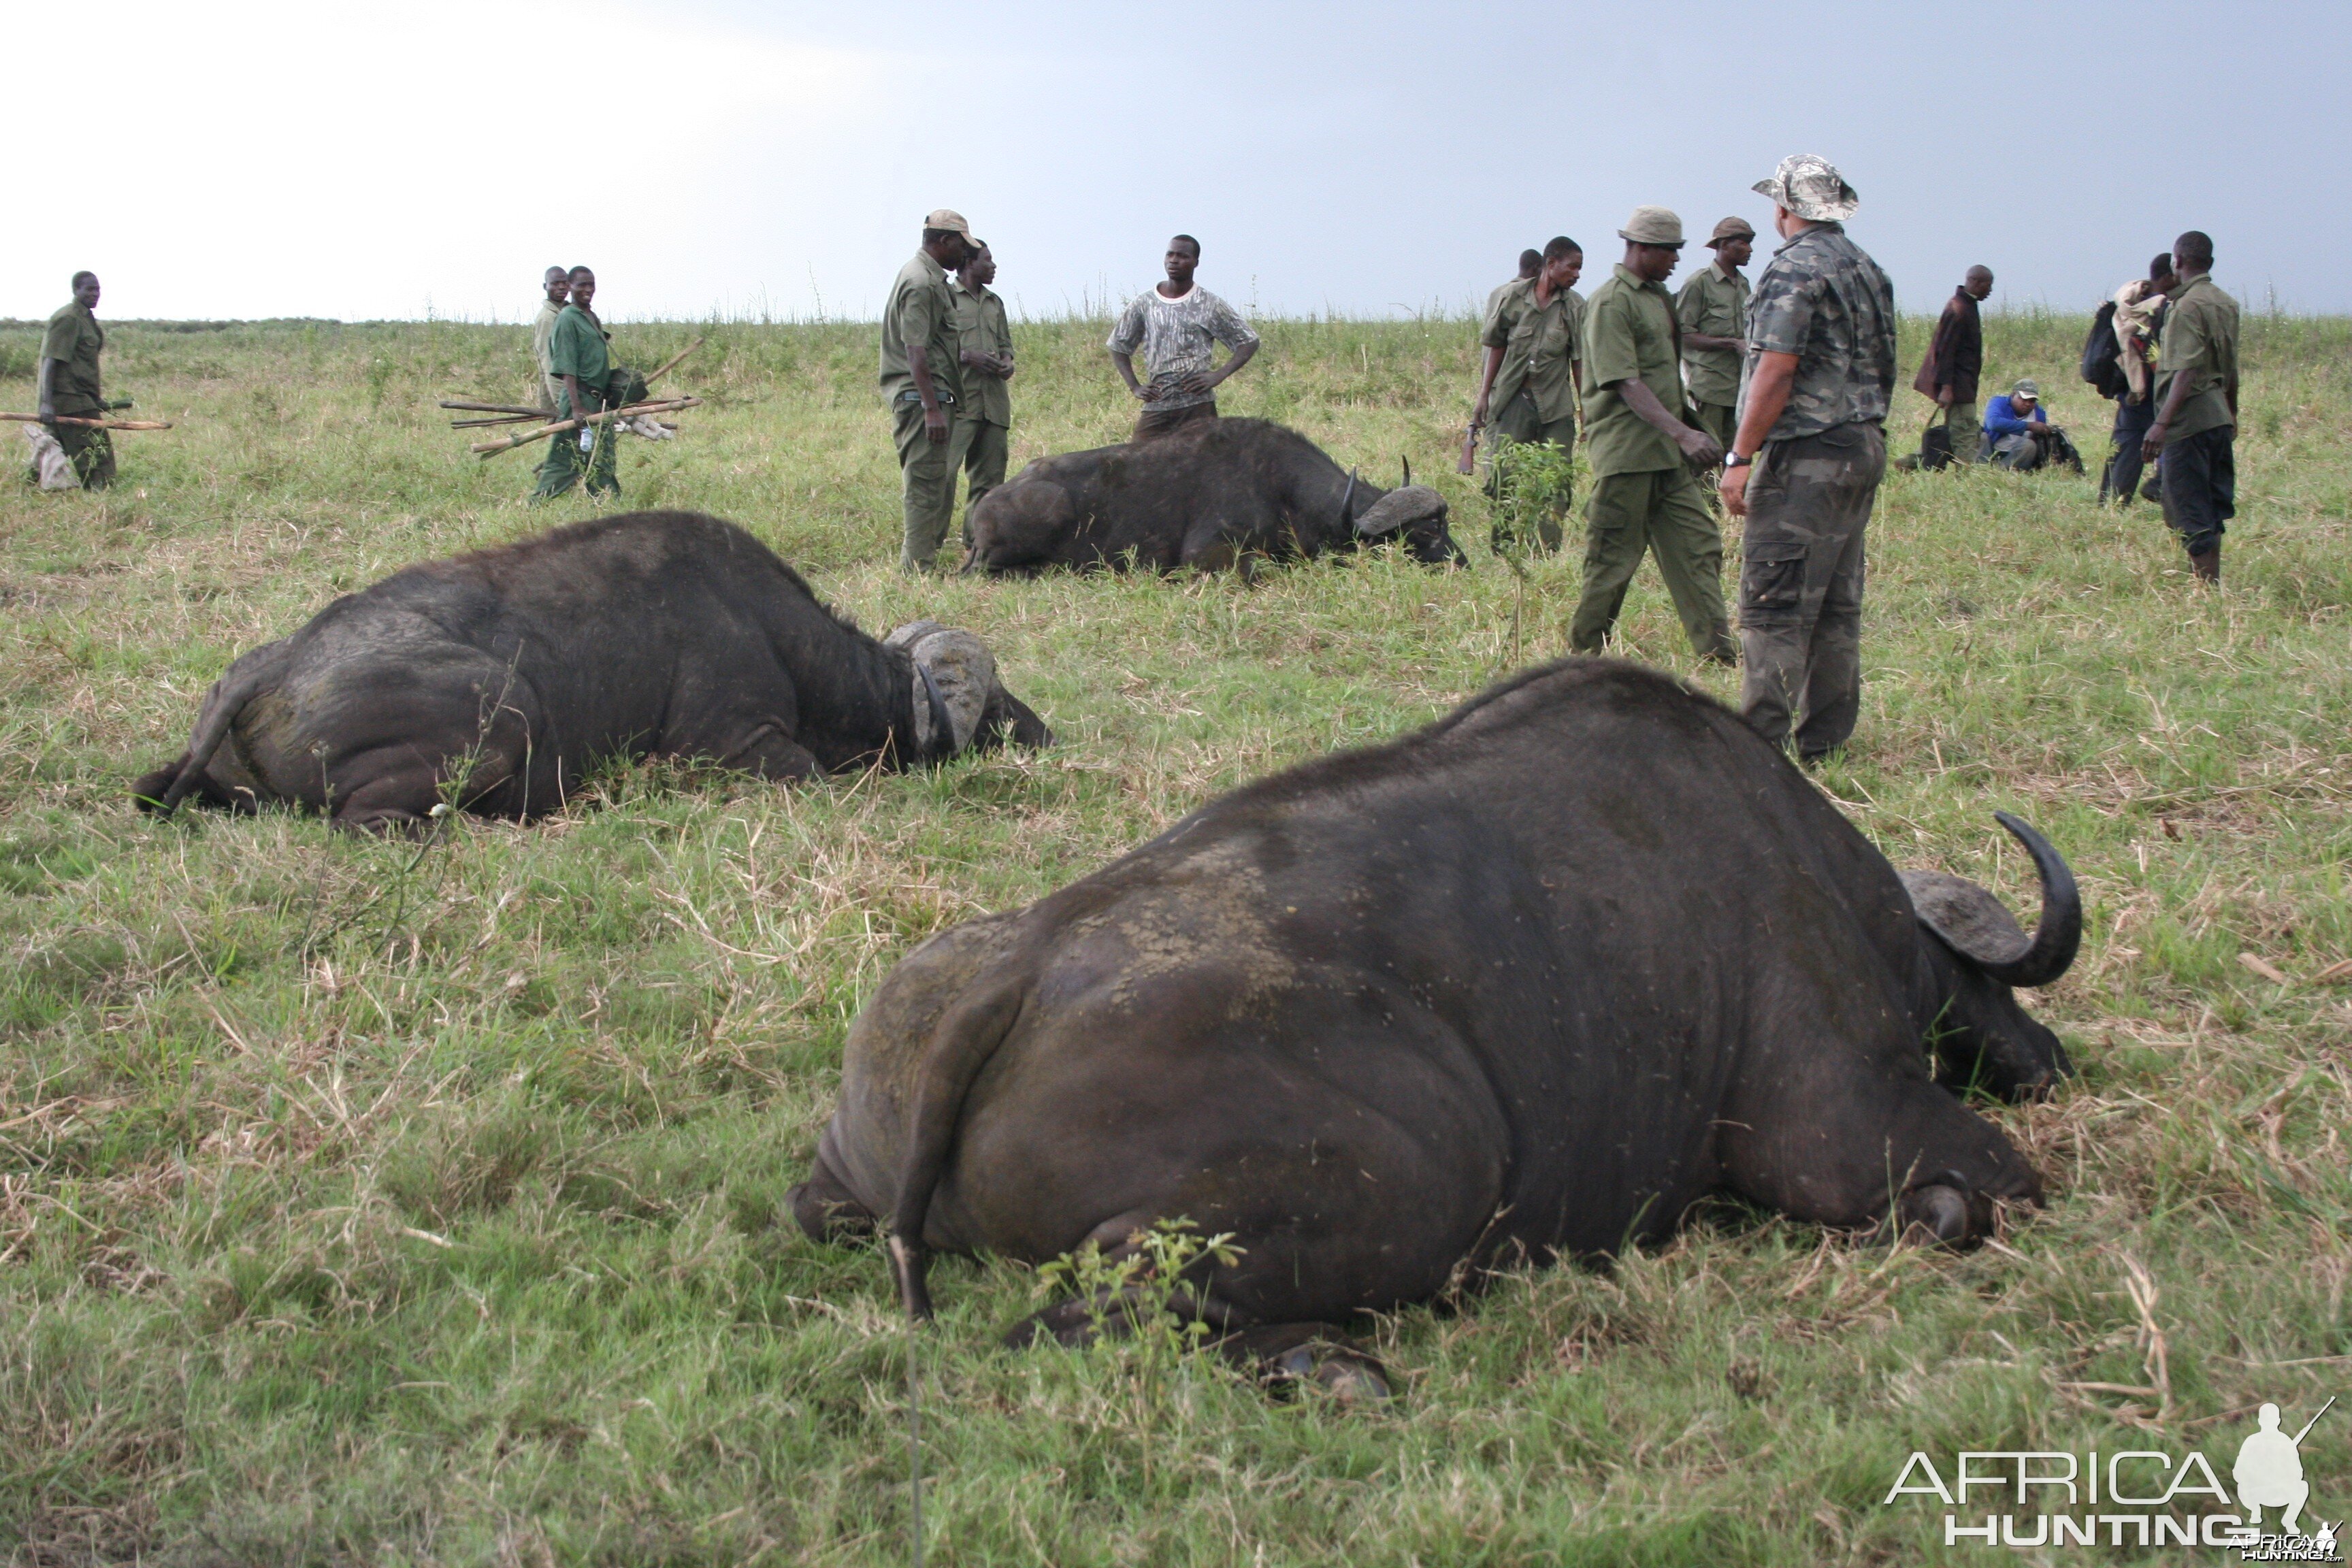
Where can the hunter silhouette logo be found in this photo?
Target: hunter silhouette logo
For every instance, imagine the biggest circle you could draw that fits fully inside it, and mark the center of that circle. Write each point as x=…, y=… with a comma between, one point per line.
x=2269, y=1471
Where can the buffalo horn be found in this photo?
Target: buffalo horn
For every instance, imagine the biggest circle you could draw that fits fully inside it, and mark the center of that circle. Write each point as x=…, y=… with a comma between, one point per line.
x=1972, y=922
x=1345, y=497
x=1408, y=473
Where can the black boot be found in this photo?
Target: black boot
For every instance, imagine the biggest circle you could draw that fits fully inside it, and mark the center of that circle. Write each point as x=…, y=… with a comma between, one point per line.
x=2208, y=566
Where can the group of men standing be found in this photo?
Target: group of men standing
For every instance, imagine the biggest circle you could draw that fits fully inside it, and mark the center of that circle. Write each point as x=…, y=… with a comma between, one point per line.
x=1781, y=390
x=947, y=362
x=578, y=376
x=2174, y=342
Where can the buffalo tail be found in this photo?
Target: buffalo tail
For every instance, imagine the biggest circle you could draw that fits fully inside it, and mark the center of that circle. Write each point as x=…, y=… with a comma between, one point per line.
x=961, y=1046
x=214, y=728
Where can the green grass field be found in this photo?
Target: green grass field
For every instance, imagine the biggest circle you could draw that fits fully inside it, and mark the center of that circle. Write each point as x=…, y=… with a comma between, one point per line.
x=377, y=1203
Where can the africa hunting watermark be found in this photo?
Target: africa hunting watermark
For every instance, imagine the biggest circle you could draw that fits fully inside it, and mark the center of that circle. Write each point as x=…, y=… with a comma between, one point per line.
x=2138, y=1497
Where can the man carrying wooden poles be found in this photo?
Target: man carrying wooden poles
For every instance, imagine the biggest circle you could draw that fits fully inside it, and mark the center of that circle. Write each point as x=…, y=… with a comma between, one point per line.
x=69, y=384
x=588, y=382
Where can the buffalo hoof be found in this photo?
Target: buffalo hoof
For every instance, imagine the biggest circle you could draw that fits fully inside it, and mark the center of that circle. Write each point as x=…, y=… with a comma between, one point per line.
x=1293, y=1357
x=150, y=789
x=827, y=1212
x=1945, y=1216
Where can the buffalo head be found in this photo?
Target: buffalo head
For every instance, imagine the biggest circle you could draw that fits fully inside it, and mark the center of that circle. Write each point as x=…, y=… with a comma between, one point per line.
x=1417, y=514
x=1977, y=952
x=960, y=705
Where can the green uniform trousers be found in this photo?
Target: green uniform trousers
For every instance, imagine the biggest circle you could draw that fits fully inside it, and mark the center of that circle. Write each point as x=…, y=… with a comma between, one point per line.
x=91, y=452
x=1719, y=420
x=1967, y=431
x=978, y=450
x=1664, y=511
x=1800, y=580
x=565, y=460
x=926, y=483
x=1520, y=421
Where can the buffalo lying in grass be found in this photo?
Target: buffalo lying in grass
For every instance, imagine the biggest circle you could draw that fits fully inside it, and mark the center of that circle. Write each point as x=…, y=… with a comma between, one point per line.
x=1536, y=979
x=1217, y=494
x=493, y=681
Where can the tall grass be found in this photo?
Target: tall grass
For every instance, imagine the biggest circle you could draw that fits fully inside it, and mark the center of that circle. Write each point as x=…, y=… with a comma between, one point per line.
x=363, y=1207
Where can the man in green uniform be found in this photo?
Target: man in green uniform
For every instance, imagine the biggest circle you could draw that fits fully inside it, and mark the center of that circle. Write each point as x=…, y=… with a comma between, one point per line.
x=920, y=383
x=68, y=383
x=1530, y=375
x=1805, y=467
x=1645, y=452
x=579, y=357
x=2194, y=439
x=1713, y=309
x=1530, y=263
x=983, y=421
x=558, y=283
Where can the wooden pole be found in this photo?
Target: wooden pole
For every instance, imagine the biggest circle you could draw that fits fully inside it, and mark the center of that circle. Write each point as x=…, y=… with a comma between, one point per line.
x=490, y=448
x=497, y=419
x=515, y=408
x=674, y=362
x=89, y=424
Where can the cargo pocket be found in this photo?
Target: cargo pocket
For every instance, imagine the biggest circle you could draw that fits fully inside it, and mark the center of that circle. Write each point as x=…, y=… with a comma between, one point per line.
x=1771, y=580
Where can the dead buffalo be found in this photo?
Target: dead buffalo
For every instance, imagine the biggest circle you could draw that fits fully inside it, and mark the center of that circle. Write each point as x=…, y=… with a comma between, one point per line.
x=1535, y=980
x=493, y=681
x=1214, y=495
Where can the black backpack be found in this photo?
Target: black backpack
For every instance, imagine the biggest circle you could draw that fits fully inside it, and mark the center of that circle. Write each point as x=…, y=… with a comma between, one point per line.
x=2102, y=356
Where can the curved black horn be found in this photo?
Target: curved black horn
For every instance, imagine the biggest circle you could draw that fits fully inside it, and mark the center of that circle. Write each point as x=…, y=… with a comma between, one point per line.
x=2060, y=931
x=1408, y=473
x=1346, y=496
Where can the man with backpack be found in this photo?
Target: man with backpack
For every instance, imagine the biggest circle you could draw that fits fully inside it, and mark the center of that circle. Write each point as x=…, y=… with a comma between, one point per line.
x=2119, y=359
x=1949, y=374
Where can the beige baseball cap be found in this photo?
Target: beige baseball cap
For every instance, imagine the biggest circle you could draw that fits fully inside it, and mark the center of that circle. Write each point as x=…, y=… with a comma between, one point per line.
x=1653, y=226
x=950, y=221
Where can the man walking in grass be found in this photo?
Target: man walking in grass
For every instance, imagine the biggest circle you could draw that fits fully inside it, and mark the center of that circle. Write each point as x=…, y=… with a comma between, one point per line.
x=1955, y=361
x=558, y=284
x=1646, y=451
x=1806, y=463
x=983, y=419
x=1713, y=309
x=579, y=357
x=2137, y=325
x=1176, y=323
x=2194, y=439
x=1529, y=380
x=68, y=383
x=921, y=384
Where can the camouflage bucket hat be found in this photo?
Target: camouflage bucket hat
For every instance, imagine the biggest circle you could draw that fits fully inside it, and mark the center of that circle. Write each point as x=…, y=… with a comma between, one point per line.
x=1810, y=186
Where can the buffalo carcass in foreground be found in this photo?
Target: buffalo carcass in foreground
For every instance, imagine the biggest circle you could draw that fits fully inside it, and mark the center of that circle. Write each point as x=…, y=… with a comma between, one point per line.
x=1212, y=495
x=493, y=681
x=1535, y=979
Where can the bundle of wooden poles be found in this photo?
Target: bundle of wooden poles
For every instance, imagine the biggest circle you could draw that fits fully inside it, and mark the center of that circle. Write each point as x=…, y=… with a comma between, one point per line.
x=516, y=414
x=89, y=423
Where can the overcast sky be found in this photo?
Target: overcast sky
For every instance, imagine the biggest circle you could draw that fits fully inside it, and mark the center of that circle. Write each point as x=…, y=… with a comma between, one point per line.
x=241, y=160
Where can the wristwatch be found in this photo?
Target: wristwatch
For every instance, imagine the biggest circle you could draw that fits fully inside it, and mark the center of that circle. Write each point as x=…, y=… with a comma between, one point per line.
x=1734, y=460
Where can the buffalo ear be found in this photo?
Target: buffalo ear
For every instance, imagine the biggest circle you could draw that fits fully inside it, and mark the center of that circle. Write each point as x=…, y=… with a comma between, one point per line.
x=1971, y=921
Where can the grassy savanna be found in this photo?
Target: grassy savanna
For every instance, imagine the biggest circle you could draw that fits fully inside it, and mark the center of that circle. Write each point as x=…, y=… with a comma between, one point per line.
x=421, y=1203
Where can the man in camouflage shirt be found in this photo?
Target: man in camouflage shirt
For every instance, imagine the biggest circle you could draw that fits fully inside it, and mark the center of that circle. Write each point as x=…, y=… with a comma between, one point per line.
x=1529, y=383
x=1175, y=324
x=1805, y=464
x=2194, y=438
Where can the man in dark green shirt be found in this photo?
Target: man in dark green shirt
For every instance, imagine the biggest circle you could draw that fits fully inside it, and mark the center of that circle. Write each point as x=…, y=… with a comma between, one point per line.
x=68, y=383
x=1713, y=309
x=1529, y=380
x=1645, y=452
x=580, y=360
x=921, y=384
x=981, y=441
x=2193, y=441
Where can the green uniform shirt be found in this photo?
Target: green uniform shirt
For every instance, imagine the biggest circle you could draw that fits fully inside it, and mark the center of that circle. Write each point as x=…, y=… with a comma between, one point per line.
x=980, y=328
x=1717, y=307
x=2199, y=340
x=1629, y=334
x=1539, y=344
x=920, y=309
x=576, y=347
x=542, y=332
x=75, y=341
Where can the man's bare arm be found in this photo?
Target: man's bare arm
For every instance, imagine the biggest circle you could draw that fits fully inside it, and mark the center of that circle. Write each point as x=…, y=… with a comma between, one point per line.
x=1709, y=340
x=1125, y=363
x=1238, y=358
x=49, y=408
x=1767, y=398
x=919, y=366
